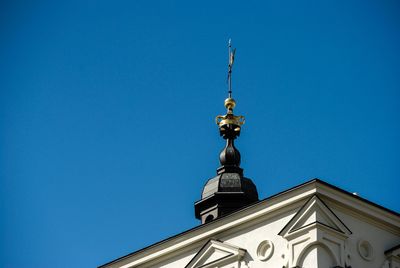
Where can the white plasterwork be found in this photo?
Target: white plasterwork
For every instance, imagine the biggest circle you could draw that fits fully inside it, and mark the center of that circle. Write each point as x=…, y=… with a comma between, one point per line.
x=315, y=234
x=217, y=254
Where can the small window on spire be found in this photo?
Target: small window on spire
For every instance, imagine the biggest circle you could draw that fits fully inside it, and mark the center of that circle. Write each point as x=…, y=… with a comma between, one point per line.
x=209, y=218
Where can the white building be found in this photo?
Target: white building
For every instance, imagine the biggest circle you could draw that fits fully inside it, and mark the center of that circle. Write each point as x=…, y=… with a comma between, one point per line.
x=313, y=225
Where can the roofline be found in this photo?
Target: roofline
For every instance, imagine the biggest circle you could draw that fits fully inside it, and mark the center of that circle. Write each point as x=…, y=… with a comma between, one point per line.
x=356, y=196
x=205, y=224
x=315, y=180
x=392, y=249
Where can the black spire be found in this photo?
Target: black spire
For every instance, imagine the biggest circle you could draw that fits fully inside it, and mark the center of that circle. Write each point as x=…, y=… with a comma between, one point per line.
x=229, y=190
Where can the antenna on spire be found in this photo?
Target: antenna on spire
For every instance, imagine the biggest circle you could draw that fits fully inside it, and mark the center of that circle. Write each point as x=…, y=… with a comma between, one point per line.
x=231, y=59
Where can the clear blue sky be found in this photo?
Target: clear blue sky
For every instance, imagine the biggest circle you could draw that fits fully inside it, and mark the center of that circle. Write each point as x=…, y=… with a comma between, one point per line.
x=107, y=130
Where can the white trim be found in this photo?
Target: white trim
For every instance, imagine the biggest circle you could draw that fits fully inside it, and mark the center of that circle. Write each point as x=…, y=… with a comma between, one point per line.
x=233, y=253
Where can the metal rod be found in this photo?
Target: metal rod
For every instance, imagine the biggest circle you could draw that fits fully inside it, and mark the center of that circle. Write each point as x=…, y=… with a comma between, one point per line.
x=229, y=69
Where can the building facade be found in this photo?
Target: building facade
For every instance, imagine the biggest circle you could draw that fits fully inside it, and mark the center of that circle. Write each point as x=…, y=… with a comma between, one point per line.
x=311, y=225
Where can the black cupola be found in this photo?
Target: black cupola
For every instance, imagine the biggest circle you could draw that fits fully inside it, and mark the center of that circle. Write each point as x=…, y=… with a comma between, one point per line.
x=229, y=190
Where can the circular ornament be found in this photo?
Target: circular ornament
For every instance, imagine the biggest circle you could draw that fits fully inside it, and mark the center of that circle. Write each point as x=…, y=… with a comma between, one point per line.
x=265, y=250
x=365, y=250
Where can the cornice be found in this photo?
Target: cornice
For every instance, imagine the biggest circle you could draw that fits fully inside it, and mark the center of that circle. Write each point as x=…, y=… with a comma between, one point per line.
x=359, y=207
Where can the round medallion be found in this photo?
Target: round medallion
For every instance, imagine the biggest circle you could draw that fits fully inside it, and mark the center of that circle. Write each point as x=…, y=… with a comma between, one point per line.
x=365, y=250
x=265, y=250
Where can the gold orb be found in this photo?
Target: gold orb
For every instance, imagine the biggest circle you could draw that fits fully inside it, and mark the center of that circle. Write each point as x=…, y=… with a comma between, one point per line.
x=230, y=103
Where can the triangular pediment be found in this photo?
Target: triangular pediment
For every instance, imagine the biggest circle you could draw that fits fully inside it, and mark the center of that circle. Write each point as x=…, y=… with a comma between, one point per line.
x=215, y=252
x=314, y=213
x=395, y=251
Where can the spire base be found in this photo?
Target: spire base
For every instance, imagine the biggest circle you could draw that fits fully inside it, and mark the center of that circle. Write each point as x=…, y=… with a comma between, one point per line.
x=224, y=194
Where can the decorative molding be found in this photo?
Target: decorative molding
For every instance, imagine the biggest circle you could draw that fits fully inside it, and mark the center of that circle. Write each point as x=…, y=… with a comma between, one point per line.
x=216, y=253
x=265, y=250
x=392, y=257
x=316, y=227
x=365, y=250
x=320, y=247
x=314, y=212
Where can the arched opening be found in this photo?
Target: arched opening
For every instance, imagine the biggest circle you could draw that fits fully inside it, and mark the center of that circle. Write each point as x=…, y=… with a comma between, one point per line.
x=209, y=218
x=317, y=255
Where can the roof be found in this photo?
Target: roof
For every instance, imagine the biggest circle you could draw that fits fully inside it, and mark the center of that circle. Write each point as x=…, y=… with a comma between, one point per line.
x=387, y=252
x=248, y=208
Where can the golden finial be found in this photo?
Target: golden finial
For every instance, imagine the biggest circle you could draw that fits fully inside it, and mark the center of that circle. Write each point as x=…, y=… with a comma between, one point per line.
x=230, y=118
x=230, y=104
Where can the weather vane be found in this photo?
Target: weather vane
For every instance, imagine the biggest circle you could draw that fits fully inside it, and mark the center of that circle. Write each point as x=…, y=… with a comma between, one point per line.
x=230, y=124
x=231, y=59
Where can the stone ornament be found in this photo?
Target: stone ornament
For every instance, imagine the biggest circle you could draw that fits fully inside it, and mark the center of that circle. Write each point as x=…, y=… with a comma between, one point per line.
x=365, y=250
x=265, y=250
